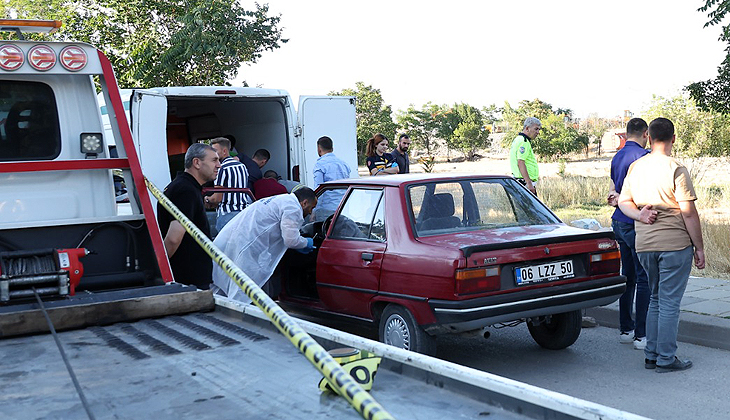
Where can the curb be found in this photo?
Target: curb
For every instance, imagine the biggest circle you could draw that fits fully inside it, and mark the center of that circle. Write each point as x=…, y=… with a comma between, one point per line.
x=704, y=330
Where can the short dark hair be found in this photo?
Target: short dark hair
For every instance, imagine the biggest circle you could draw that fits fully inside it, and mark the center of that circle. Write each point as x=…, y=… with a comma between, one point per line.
x=403, y=136
x=224, y=142
x=661, y=129
x=262, y=154
x=304, y=193
x=271, y=174
x=325, y=143
x=636, y=127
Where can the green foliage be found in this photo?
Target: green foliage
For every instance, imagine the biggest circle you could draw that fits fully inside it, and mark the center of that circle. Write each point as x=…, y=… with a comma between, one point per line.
x=561, y=167
x=491, y=114
x=714, y=94
x=421, y=125
x=163, y=42
x=372, y=115
x=470, y=133
x=699, y=133
x=557, y=138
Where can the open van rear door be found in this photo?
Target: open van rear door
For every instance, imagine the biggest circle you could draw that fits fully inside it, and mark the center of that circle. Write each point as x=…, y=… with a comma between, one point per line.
x=331, y=116
x=147, y=110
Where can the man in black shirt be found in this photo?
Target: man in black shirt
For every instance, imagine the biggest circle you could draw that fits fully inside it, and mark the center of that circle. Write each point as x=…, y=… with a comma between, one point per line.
x=190, y=264
x=400, y=153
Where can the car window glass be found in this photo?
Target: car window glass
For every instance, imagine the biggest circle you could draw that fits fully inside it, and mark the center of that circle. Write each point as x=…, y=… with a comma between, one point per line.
x=327, y=202
x=474, y=204
x=29, y=128
x=494, y=204
x=377, y=230
x=456, y=192
x=356, y=217
x=416, y=194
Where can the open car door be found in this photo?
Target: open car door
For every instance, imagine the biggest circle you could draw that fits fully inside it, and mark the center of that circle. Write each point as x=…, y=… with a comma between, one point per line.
x=350, y=258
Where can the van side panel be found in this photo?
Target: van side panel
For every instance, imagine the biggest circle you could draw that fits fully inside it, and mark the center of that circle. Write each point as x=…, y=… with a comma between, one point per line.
x=149, y=116
x=332, y=116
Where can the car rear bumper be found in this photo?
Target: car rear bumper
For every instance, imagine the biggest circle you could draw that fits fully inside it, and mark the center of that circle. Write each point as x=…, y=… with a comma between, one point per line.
x=456, y=316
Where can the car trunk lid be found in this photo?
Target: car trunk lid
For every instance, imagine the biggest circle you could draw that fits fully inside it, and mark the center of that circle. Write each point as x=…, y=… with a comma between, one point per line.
x=487, y=247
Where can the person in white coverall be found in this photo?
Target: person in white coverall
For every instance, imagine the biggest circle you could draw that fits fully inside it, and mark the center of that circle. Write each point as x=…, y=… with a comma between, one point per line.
x=257, y=238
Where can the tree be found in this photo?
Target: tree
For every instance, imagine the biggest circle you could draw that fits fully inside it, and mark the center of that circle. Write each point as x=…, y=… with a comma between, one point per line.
x=699, y=133
x=421, y=125
x=470, y=133
x=714, y=94
x=595, y=127
x=557, y=138
x=372, y=114
x=491, y=113
x=163, y=42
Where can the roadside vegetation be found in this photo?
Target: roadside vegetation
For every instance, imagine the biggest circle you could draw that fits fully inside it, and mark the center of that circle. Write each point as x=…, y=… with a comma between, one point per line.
x=581, y=197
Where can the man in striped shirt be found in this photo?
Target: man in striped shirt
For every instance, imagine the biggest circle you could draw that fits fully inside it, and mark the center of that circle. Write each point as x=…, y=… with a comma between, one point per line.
x=232, y=174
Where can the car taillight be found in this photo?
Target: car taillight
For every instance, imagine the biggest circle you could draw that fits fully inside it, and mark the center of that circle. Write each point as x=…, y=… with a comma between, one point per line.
x=477, y=280
x=606, y=262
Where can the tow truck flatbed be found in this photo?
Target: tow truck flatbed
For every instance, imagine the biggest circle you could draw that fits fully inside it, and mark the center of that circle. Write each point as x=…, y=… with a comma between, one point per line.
x=231, y=363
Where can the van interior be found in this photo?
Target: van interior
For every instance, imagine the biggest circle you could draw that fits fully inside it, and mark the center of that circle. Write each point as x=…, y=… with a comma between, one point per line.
x=256, y=123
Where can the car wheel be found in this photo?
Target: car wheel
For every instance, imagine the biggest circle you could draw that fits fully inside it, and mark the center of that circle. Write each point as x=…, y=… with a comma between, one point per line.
x=398, y=328
x=558, y=331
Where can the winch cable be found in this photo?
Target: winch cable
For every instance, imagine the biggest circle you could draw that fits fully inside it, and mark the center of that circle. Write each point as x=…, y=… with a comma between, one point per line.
x=65, y=359
x=338, y=378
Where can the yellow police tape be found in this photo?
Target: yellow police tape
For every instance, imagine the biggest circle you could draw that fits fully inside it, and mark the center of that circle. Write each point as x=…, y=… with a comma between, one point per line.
x=338, y=378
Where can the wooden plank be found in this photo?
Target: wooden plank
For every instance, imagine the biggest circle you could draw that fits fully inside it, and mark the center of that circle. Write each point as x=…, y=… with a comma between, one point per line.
x=103, y=313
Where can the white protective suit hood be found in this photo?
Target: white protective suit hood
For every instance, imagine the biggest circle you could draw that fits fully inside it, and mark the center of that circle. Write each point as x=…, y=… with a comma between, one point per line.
x=256, y=239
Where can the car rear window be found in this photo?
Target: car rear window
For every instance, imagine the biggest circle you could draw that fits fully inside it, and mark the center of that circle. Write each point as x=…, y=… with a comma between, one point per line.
x=474, y=204
x=29, y=128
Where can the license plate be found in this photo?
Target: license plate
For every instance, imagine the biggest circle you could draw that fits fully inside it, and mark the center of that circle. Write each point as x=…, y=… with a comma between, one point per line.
x=556, y=270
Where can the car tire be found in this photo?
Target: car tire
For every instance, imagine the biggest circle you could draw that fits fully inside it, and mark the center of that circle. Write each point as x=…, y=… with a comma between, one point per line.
x=399, y=328
x=558, y=332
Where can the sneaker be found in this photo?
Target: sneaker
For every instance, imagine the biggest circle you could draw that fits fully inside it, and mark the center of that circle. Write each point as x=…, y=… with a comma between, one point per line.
x=674, y=366
x=649, y=364
x=626, y=337
x=639, y=343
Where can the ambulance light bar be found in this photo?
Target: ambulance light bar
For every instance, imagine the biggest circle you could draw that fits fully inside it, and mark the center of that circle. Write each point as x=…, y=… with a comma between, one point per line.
x=30, y=25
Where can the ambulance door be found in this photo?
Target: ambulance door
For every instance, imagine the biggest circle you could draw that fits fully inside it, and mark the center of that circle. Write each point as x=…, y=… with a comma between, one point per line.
x=148, y=111
x=331, y=116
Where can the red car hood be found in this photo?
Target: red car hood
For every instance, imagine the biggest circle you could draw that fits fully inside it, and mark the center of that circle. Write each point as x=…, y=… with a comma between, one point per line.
x=512, y=237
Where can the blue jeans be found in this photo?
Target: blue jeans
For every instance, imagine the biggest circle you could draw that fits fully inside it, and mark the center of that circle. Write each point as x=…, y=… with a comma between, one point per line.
x=221, y=221
x=668, y=273
x=636, y=281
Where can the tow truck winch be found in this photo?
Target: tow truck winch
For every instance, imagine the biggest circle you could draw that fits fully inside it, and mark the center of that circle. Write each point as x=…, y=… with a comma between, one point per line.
x=50, y=272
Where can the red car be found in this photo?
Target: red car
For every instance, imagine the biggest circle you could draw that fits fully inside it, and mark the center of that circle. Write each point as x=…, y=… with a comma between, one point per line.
x=421, y=255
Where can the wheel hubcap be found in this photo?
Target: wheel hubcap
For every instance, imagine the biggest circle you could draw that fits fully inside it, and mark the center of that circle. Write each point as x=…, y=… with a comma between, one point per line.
x=396, y=332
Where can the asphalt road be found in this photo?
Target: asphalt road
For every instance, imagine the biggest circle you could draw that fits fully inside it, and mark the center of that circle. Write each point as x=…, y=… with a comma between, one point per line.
x=598, y=368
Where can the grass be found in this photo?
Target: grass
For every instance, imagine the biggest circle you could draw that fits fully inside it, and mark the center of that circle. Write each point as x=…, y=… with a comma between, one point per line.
x=581, y=197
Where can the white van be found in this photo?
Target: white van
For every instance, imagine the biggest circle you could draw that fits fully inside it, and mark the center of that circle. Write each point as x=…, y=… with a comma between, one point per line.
x=165, y=121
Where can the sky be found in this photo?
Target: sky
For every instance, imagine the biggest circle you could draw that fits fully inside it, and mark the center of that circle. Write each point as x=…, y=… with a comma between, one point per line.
x=586, y=55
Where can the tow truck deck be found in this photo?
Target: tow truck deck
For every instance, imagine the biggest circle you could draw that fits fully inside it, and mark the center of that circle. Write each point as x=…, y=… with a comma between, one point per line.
x=230, y=362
